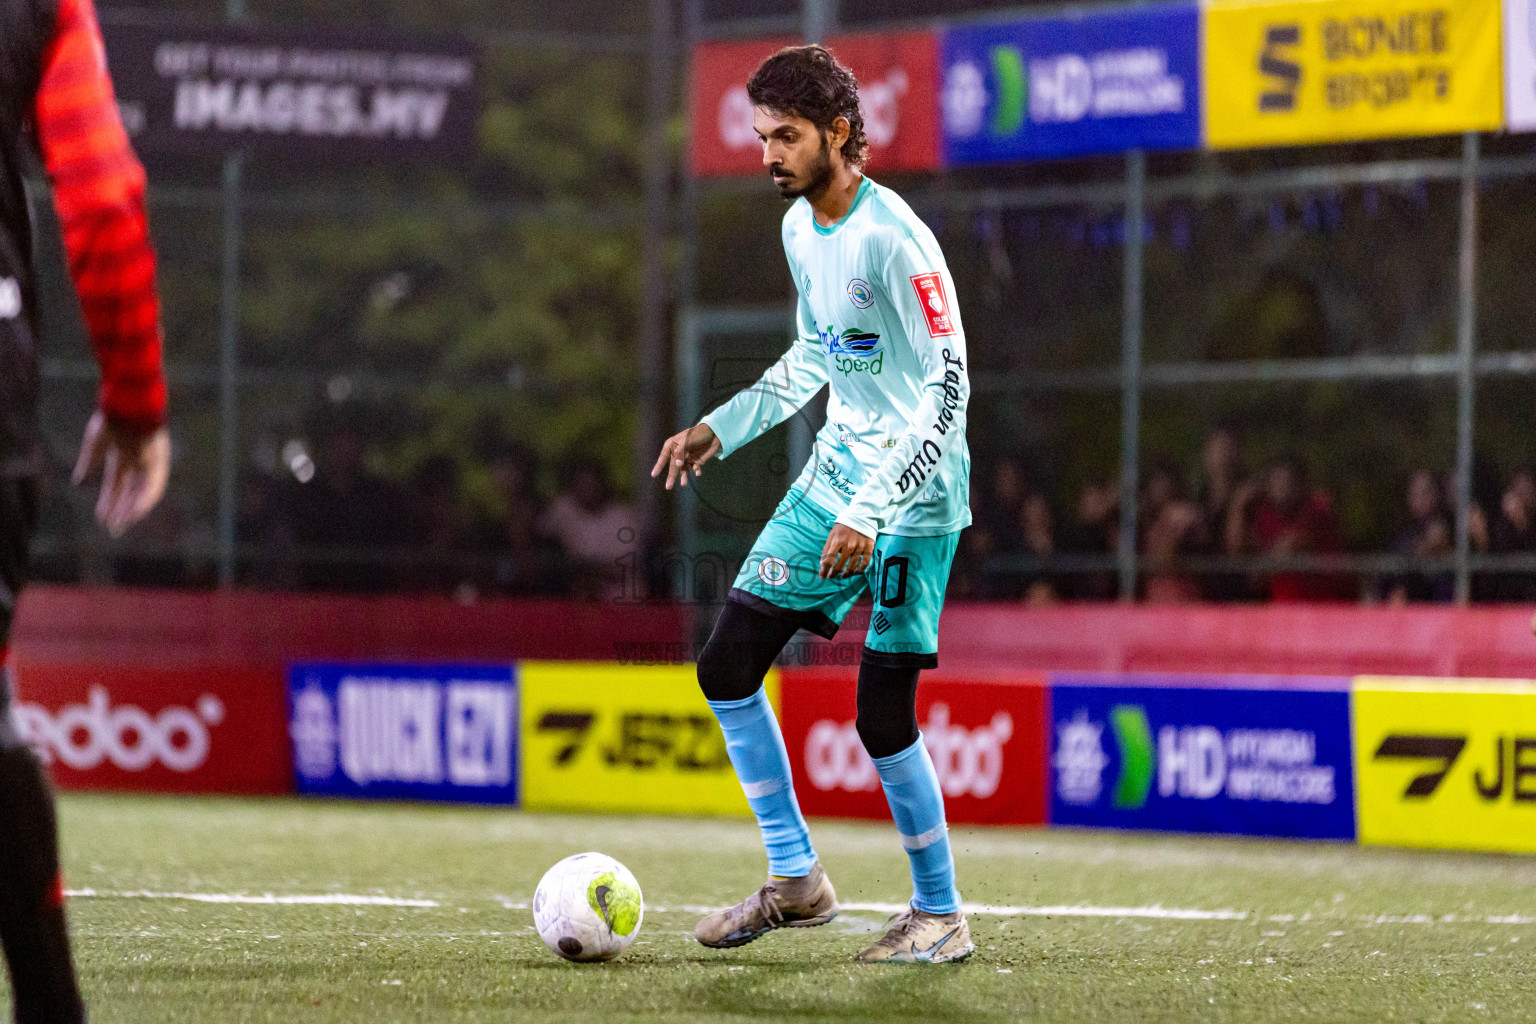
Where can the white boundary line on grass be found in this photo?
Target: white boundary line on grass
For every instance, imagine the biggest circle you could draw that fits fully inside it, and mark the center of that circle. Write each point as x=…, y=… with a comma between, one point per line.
x=334, y=899
x=988, y=909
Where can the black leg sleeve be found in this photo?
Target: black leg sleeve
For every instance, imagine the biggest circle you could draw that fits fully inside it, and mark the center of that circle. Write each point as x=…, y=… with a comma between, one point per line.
x=32, y=926
x=887, y=720
x=740, y=651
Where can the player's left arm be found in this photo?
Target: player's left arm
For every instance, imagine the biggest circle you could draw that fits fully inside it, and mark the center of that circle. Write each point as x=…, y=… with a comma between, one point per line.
x=920, y=288
x=99, y=190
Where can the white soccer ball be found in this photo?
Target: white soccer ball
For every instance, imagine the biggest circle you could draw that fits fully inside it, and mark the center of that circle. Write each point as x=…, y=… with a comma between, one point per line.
x=588, y=907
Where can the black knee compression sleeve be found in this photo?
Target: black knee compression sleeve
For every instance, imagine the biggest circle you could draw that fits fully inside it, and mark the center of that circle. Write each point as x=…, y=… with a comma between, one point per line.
x=740, y=652
x=32, y=927
x=887, y=720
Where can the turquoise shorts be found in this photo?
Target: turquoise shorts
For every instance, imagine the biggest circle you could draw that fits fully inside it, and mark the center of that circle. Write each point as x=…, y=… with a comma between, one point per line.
x=906, y=578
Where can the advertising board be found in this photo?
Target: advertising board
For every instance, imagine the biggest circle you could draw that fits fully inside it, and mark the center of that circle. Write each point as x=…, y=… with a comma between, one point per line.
x=1447, y=763
x=187, y=87
x=987, y=740
x=1520, y=65
x=898, y=94
x=1232, y=754
x=194, y=729
x=1091, y=82
x=1341, y=70
x=608, y=737
x=417, y=732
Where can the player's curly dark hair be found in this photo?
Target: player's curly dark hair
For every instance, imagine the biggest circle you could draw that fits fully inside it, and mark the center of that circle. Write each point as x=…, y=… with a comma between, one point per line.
x=808, y=82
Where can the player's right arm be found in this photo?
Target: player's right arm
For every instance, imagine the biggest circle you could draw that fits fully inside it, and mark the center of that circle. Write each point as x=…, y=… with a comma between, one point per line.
x=787, y=385
x=99, y=192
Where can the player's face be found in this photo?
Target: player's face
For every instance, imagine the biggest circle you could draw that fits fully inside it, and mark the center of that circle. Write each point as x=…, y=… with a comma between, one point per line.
x=797, y=155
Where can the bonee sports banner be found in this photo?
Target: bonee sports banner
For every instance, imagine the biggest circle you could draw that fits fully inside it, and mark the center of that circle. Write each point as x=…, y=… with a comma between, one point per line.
x=986, y=738
x=195, y=729
x=1256, y=755
x=607, y=737
x=898, y=93
x=1339, y=70
x=1065, y=86
x=1447, y=763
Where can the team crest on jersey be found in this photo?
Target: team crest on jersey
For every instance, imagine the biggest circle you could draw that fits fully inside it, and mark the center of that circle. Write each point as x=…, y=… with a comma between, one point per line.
x=860, y=293
x=930, y=292
x=773, y=571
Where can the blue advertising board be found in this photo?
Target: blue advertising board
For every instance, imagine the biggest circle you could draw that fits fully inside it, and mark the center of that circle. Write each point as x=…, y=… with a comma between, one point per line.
x=1248, y=755
x=415, y=732
x=1072, y=85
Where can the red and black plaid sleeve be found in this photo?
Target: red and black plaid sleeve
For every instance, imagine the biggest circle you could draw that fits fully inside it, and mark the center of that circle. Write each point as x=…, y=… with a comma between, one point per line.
x=99, y=191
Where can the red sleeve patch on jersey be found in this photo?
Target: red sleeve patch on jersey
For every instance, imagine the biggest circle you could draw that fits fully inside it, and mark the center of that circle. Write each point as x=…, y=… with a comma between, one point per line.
x=930, y=292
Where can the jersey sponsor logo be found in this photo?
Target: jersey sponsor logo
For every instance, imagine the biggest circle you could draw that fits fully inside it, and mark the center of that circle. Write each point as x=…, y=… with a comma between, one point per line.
x=860, y=293
x=10, y=298
x=855, y=350
x=930, y=292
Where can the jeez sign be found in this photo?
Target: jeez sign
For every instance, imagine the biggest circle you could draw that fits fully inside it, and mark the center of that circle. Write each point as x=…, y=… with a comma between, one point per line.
x=897, y=93
x=609, y=737
x=200, y=729
x=1066, y=86
x=1254, y=756
x=1447, y=763
x=183, y=89
x=986, y=739
x=426, y=733
x=1338, y=70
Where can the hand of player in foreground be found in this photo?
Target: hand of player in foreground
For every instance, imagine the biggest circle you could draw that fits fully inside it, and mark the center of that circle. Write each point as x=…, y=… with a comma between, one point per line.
x=846, y=553
x=134, y=469
x=687, y=450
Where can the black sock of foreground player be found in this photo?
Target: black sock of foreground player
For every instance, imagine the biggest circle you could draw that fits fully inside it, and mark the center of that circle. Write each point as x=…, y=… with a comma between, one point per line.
x=32, y=926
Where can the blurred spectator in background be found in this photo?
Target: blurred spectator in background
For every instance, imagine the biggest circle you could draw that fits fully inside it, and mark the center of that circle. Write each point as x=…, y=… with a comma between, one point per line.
x=349, y=525
x=1513, y=532
x=527, y=563
x=441, y=541
x=264, y=533
x=1038, y=536
x=1172, y=526
x=596, y=532
x=994, y=531
x=1429, y=534
x=1288, y=516
x=1094, y=530
x=1222, y=475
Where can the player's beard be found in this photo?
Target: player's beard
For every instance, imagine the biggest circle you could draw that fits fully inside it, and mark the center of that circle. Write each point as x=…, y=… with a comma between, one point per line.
x=817, y=177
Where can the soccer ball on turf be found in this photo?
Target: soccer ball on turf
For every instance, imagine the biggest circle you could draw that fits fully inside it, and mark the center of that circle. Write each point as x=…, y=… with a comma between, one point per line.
x=588, y=907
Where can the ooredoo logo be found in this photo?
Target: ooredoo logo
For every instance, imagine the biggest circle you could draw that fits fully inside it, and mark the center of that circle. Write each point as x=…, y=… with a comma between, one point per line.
x=82, y=736
x=969, y=762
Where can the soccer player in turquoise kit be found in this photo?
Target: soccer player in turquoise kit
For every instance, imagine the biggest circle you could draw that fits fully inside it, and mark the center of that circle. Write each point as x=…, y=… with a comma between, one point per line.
x=879, y=506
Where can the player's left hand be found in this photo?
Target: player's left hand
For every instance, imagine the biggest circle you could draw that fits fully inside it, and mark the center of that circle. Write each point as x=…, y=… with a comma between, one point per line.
x=134, y=469
x=846, y=553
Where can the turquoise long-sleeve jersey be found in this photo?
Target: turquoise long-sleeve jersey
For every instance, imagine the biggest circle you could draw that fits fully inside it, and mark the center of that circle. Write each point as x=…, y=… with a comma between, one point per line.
x=877, y=321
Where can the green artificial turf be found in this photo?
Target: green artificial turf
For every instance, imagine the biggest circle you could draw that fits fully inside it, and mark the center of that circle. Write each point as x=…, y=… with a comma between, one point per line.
x=1328, y=932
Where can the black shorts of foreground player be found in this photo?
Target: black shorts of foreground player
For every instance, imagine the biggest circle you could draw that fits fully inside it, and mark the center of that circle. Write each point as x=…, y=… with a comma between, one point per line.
x=878, y=507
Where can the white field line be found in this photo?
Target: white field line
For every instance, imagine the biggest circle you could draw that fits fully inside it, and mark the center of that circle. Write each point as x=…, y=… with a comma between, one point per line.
x=333, y=899
x=980, y=909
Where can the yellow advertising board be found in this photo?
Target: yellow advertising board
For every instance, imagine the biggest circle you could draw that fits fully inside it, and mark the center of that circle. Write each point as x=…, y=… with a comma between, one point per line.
x=628, y=738
x=1446, y=763
x=1279, y=74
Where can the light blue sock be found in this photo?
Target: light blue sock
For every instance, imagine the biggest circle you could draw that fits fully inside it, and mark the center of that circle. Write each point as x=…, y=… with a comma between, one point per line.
x=756, y=746
x=912, y=789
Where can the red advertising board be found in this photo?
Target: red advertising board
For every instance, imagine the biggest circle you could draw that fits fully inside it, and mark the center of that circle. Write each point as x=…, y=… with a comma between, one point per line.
x=987, y=737
x=898, y=92
x=192, y=729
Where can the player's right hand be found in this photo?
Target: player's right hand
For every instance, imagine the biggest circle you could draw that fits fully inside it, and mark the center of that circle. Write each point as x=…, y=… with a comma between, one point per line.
x=134, y=469
x=687, y=450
